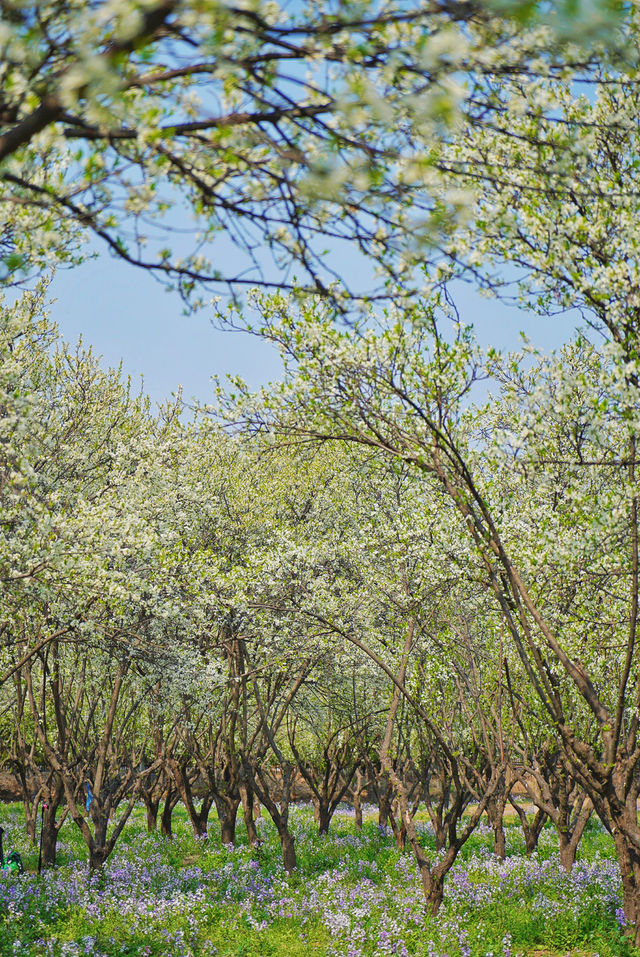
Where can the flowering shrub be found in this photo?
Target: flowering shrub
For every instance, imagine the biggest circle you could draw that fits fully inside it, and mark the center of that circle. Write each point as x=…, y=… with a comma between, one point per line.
x=355, y=895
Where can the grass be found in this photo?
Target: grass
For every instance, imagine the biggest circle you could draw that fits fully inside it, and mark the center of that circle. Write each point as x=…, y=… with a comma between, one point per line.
x=354, y=895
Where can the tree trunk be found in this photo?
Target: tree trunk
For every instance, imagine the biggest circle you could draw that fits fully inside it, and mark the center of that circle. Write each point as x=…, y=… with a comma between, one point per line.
x=440, y=834
x=170, y=801
x=248, y=813
x=531, y=830
x=435, y=895
x=357, y=810
x=50, y=829
x=401, y=837
x=227, y=808
x=49, y=840
x=30, y=819
x=571, y=831
x=531, y=841
x=152, y=814
x=324, y=818
x=279, y=815
x=499, y=841
x=567, y=852
x=288, y=850
x=98, y=851
x=228, y=830
x=322, y=813
x=199, y=818
x=384, y=807
x=97, y=857
x=629, y=861
x=495, y=816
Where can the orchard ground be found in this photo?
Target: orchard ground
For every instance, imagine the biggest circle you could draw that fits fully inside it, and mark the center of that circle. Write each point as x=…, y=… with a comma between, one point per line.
x=354, y=895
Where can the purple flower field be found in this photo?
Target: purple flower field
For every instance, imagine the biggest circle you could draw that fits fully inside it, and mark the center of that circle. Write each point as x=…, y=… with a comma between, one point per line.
x=355, y=895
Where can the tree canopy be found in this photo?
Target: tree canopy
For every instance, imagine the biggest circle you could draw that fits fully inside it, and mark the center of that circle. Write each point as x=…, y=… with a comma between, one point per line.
x=293, y=132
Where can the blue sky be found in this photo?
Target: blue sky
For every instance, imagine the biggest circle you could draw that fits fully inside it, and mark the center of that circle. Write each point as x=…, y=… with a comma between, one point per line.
x=128, y=317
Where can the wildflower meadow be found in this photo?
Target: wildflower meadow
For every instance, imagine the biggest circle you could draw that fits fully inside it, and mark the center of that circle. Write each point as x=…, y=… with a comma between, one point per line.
x=354, y=894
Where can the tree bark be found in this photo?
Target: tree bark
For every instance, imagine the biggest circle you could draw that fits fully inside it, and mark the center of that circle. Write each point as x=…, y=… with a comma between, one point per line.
x=199, y=818
x=152, y=807
x=324, y=818
x=357, y=810
x=50, y=826
x=279, y=815
x=288, y=850
x=227, y=808
x=49, y=844
x=248, y=812
x=531, y=830
x=386, y=816
x=629, y=861
x=170, y=801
